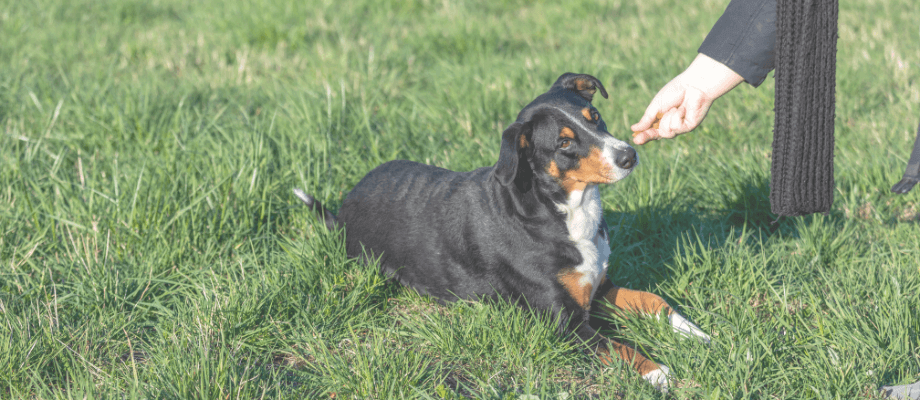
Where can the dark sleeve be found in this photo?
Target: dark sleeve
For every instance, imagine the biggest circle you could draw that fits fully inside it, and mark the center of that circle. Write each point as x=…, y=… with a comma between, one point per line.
x=744, y=38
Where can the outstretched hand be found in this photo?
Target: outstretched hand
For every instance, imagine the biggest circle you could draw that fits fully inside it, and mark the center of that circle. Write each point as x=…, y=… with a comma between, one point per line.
x=677, y=108
x=682, y=104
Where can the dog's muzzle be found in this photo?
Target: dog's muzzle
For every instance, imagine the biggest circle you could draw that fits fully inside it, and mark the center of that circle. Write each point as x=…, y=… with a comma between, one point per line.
x=621, y=156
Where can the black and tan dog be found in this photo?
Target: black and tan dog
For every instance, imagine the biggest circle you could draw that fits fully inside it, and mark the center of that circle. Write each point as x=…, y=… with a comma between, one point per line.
x=529, y=228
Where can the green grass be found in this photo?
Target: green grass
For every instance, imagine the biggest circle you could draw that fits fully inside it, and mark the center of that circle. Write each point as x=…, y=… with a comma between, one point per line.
x=151, y=246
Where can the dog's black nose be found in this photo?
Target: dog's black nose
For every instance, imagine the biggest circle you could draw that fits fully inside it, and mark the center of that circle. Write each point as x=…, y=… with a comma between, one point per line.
x=626, y=159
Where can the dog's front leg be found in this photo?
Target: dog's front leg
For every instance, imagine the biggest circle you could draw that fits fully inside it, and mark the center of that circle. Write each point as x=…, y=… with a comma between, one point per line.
x=608, y=350
x=654, y=373
x=616, y=300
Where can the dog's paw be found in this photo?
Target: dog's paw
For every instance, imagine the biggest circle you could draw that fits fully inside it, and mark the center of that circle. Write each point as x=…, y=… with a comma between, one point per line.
x=659, y=378
x=680, y=325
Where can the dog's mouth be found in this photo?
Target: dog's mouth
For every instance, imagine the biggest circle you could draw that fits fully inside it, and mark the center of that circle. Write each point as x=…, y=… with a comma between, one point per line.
x=614, y=174
x=607, y=176
x=620, y=174
x=620, y=160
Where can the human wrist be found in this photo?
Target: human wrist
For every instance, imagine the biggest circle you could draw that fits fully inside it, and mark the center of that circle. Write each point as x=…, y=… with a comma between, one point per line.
x=711, y=77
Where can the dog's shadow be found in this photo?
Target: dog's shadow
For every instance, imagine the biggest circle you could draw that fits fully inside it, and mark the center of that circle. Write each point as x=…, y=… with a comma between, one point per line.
x=645, y=241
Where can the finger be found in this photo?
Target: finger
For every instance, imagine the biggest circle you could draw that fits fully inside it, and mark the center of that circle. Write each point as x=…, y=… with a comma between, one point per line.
x=668, y=97
x=645, y=136
x=644, y=123
x=651, y=114
x=667, y=125
x=640, y=138
x=696, y=110
x=654, y=125
x=657, y=122
x=679, y=123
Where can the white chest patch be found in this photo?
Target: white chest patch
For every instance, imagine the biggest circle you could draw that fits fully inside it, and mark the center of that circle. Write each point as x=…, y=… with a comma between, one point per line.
x=583, y=213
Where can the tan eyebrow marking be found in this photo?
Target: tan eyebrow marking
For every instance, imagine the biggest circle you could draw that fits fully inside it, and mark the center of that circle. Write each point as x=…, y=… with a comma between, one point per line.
x=567, y=132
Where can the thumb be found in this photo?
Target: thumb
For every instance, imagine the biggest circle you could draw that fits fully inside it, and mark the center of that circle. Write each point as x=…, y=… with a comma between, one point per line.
x=643, y=137
x=649, y=121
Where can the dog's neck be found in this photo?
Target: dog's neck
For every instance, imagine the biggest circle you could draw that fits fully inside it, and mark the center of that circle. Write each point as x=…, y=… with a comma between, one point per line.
x=583, y=212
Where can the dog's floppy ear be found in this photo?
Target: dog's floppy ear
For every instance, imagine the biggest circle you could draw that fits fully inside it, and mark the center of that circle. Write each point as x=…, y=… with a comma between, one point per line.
x=585, y=85
x=513, y=139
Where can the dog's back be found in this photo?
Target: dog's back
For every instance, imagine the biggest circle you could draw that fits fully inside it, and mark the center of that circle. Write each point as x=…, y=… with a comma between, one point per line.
x=445, y=233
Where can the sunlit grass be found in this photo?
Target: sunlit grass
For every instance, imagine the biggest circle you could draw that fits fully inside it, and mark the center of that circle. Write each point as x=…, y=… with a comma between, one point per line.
x=151, y=246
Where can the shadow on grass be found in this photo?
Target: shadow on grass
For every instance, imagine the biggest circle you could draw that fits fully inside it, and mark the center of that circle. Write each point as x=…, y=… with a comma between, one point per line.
x=655, y=245
x=646, y=241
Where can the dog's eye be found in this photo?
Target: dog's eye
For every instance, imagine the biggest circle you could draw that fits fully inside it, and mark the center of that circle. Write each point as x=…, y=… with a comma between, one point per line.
x=565, y=143
x=595, y=116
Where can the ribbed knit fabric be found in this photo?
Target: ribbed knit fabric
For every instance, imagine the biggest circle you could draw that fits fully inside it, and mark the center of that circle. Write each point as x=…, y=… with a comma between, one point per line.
x=803, y=132
x=912, y=172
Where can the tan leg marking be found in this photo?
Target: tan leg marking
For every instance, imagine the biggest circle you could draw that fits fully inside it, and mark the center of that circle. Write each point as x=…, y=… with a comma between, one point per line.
x=636, y=301
x=581, y=292
x=640, y=363
x=626, y=301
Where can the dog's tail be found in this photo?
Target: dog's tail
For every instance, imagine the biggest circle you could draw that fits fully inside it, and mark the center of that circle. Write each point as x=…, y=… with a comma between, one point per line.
x=332, y=223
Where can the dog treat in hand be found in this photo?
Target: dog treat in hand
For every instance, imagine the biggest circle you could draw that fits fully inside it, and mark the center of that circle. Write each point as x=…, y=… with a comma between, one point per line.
x=654, y=124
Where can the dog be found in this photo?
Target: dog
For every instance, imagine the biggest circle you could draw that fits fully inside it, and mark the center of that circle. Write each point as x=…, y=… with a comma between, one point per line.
x=529, y=229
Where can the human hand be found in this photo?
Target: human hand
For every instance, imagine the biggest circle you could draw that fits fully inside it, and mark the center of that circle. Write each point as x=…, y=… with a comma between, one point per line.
x=682, y=104
x=677, y=108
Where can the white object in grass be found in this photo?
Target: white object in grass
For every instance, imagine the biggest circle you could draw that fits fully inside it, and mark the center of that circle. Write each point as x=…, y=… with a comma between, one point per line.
x=684, y=327
x=659, y=378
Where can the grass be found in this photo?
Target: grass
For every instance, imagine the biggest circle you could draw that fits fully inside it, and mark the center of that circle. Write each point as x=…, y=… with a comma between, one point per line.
x=151, y=246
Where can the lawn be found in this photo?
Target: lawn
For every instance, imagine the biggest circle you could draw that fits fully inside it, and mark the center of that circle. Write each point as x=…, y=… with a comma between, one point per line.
x=151, y=246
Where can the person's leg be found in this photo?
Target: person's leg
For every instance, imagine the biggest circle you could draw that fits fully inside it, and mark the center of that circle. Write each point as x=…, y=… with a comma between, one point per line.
x=902, y=392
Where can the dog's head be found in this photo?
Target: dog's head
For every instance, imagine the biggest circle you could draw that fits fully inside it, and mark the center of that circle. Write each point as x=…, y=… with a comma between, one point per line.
x=560, y=141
